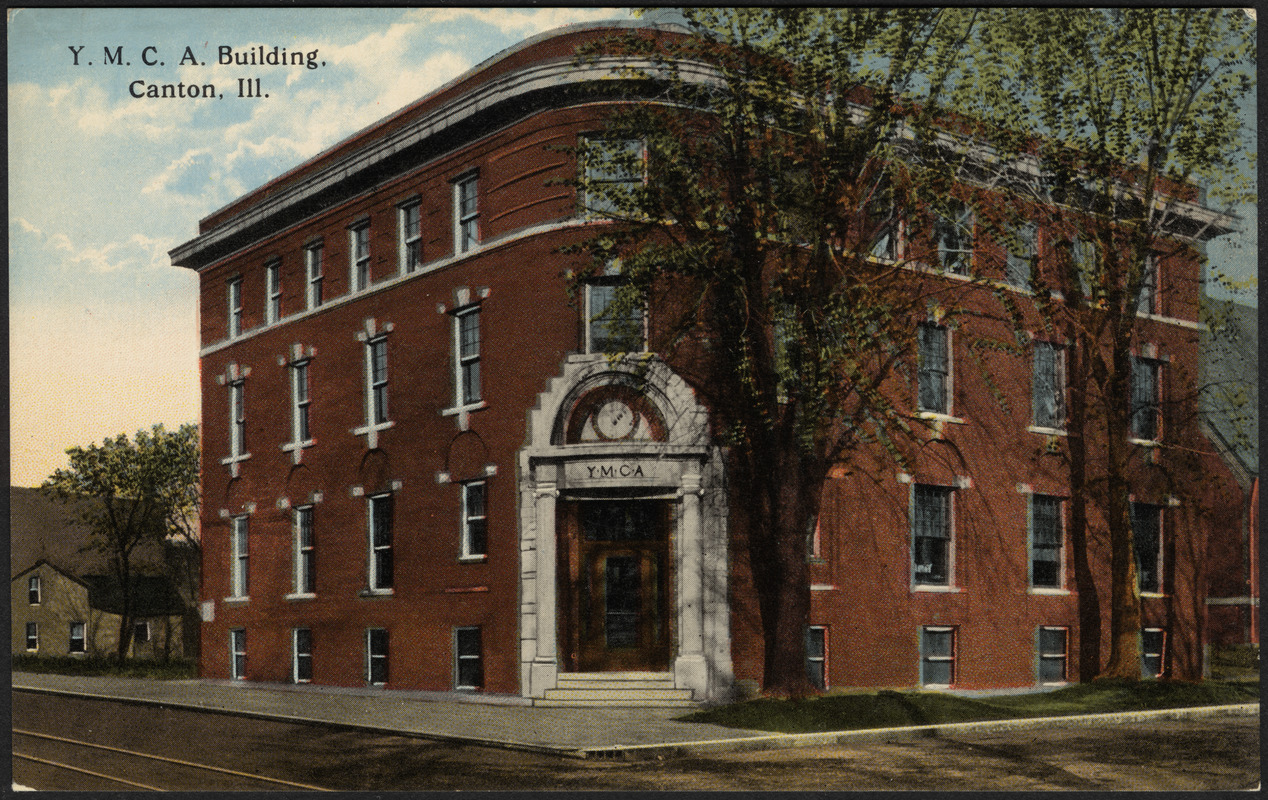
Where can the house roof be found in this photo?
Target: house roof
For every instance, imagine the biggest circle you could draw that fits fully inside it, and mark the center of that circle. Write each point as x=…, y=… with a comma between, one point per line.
x=52, y=566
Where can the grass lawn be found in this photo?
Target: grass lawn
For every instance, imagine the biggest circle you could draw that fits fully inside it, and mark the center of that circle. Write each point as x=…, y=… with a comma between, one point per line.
x=176, y=669
x=886, y=708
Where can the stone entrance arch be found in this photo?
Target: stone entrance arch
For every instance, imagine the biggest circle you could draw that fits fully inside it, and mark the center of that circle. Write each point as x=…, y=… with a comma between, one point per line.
x=629, y=428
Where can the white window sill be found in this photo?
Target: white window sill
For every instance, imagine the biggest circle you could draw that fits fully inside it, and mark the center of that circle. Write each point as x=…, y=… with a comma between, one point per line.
x=234, y=459
x=455, y=410
x=822, y=587
x=1047, y=431
x=937, y=416
x=33, y=650
x=237, y=601
x=292, y=446
x=300, y=596
x=473, y=559
x=935, y=588
x=375, y=428
x=1055, y=684
x=1144, y=442
x=376, y=592
x=1048, y=591
x=1153, y=595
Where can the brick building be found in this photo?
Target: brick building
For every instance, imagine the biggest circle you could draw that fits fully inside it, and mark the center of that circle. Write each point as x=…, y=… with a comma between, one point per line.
x=422, y=470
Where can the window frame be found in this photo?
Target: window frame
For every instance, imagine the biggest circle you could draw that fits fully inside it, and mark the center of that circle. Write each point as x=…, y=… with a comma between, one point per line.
x=81, y=628
x=300, y=656
x=302, y=400
x=272, y=291
x=590, y=178
x=466, y=223
x=237, y=420
x=1156, y=586
x=1019, y=267
x=927, y=658
x=409, y=245
x=304, y=552
x=371, y=656
x=34, y=590
x=33, y=637
x=137, y=627
x=359, y=256
x=1055, y=388
x=1146, y=652
x=924, y=368
x=237, y=654
x=821, y=670
x=1146, y=408
x=1147, y=299
x=948, y=230
x=381, y=555
x=1043, y=655
x=233, y=296
x=313, y=257
x=376, y=383
x=591, y=321
x=947, y=494
x=239, y=557
x=459, y=657
x=1033, y=545
x=466, y=365
x=467, y=551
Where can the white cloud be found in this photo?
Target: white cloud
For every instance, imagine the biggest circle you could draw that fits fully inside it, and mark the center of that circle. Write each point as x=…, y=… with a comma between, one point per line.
x=520, y=21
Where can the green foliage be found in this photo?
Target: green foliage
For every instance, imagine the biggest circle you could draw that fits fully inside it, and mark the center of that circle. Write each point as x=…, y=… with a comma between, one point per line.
x=172, y=670
x=887, y=709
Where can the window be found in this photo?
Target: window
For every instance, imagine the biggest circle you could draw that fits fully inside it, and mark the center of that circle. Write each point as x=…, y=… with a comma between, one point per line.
x=474, y=520
x=273, y=292
x=953, y=235
x=77, y=643
x=235, y=307
x=937, y=656
x=1083, y=254
x=884, y=221
x=1153, y=646
x=614, y=170
x=467, y=346
x=1146, y=423
x=359, y=256
x=1052, y=649
x=381, y=542
x=1048, y=387
x=931, y=535
x=141, y=632
x=466, y=214
x=237, y=420
x=312, y=267
x=238, y=654
x=376, y=656
x=1147, y=535
x=1147, y=300
x=376, y=381
x=32, y=636
x=238, y=565
x=301, y=655
x=817, y=656
x=33, y=590
x=1021, y=255
x=934, y=368
x=1047, y=535
x=305, y=552
x=300, y=403
x=610, y=329
x=468, y=659
x=814, y=540
x=409, y=236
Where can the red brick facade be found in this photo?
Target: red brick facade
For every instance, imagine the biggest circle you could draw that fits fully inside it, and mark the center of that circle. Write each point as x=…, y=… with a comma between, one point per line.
x=505, y=125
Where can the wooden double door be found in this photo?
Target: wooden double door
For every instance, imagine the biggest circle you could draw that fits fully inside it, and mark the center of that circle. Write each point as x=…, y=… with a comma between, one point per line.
x=615, y=598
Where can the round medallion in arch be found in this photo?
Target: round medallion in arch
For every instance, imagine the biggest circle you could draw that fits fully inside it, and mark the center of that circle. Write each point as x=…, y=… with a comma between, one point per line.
x=612, y=413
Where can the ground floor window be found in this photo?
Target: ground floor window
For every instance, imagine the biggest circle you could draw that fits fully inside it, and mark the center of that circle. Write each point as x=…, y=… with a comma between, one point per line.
x=77, y=642
x=238, y=654
x=817, y=656
x=141, y=632
x=33, y=636
x=468, y=658
x=1053, y=647
x=1153, y=643
x=302, y=655
x=376, y=655
x=937, y=655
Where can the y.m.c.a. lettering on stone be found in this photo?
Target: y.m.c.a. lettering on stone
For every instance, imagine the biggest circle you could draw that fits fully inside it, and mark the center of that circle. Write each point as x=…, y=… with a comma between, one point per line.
x=259, y=55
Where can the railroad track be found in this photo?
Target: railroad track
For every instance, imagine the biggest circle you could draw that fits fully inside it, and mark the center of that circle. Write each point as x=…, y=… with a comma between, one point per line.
x=136, y=770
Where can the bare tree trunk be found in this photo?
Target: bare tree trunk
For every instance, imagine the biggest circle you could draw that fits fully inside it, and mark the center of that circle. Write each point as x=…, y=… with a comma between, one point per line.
x=1124, y=656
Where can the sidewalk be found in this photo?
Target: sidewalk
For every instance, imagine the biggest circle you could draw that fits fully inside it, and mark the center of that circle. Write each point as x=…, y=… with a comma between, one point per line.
x=505, y=721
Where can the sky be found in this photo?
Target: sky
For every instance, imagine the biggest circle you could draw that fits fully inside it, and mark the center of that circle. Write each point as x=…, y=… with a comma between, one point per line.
x=103, y=330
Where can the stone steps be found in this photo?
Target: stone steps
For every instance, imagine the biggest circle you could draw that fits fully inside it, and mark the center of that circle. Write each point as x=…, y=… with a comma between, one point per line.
x=616, y=689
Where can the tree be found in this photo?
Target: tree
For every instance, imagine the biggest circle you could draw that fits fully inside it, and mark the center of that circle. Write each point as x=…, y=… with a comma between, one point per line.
x=1133, y=106
x=146, y=490
x=783, y=149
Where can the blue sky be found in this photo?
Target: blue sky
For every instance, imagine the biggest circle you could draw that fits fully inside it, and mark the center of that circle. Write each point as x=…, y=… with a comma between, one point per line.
x=103, y=330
